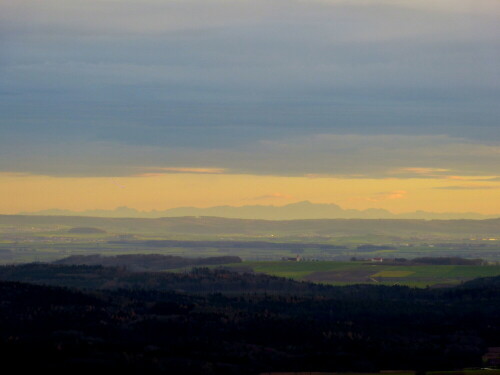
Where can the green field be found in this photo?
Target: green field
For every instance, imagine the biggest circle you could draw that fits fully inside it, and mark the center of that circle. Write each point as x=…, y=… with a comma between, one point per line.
x=457, y=372
x=342, y=273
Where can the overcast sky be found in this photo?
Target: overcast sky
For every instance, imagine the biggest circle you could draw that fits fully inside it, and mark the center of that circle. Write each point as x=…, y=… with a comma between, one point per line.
x=363, y=88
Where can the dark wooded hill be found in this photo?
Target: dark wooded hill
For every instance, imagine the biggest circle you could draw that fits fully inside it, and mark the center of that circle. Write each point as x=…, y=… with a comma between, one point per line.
x=146, y=262
x=86, y=230
x=150, y=329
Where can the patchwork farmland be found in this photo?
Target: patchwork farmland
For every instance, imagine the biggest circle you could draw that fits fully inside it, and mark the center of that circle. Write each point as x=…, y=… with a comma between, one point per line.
x=342, y=273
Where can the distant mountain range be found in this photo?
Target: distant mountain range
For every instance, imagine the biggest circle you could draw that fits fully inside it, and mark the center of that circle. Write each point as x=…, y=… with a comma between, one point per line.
x=294, y=211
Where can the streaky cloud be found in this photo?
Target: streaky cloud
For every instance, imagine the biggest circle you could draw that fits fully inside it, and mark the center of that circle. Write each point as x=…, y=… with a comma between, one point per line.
x=315, y=156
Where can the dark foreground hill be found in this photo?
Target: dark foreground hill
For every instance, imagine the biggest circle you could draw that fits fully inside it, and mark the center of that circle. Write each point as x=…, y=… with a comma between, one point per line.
x=248, y=324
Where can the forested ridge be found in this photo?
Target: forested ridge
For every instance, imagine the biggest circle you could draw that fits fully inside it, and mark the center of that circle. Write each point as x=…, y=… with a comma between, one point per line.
x=146, y=262
x=256, y=323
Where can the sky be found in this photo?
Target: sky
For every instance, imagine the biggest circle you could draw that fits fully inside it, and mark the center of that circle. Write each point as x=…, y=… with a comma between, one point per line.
x=155, y=104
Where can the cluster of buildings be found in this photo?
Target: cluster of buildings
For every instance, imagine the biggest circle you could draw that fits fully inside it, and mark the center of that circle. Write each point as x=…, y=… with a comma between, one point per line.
x=492, y=357
x=297, y=258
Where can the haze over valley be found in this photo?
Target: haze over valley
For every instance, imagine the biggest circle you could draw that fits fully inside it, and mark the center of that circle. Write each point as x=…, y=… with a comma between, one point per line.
x=250, y=187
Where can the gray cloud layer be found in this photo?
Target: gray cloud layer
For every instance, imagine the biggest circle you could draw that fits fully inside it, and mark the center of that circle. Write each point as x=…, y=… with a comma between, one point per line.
x=358, y=156
x=107, y=85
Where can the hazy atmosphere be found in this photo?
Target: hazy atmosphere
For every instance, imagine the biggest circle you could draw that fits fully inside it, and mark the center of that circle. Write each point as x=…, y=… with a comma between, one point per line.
x=250, y=187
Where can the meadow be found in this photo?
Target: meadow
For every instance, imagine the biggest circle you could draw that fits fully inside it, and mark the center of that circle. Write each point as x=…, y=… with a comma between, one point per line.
x=343, y=273
x=460, y=372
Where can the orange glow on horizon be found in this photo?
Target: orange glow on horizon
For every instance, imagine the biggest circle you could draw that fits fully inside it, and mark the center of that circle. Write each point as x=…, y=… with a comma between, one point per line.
x=29, y=193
